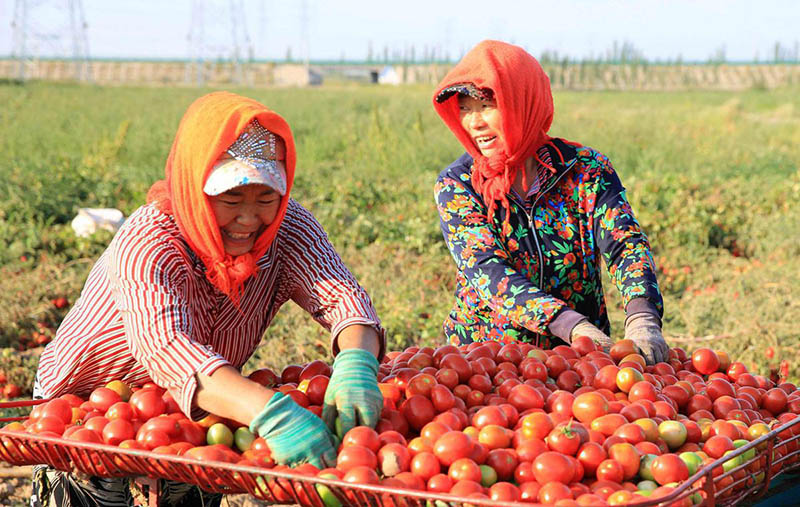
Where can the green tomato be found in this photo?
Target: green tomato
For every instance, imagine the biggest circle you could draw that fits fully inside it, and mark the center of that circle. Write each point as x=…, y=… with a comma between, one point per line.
x=693, y=461
x=647, y=485
x=748, y=454
x=731, y=463
x=644, y=492
x=325, y=493
x=673, y=432
x=219, y=434
x=338, y=428
x=644, y=467
x=696, y=499
x=243, y=438
x=488, y=476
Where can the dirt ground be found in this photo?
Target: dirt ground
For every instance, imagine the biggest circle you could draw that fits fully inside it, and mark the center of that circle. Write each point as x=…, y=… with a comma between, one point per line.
x=15, y=490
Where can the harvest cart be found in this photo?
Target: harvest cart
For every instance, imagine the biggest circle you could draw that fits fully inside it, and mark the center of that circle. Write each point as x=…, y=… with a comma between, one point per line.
x=738, y=486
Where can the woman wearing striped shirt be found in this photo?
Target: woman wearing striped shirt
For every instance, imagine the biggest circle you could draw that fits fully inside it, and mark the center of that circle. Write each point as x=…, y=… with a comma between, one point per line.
x=190, y=283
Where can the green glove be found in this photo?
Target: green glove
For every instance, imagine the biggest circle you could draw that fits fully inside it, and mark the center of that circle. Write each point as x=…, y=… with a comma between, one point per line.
x=294, y=435
x=353, y=391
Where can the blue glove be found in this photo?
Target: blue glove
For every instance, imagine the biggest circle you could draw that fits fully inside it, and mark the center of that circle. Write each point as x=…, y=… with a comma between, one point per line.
x=353, y=392
x=294, y=435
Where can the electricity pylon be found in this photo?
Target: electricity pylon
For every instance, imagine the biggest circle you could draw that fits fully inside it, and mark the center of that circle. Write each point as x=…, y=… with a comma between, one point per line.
x=218, y=34
x=50, y=29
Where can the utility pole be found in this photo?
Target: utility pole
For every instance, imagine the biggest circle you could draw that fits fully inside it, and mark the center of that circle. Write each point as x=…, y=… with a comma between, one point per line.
x=38, y=34
x=224, y=40
x=304, y=33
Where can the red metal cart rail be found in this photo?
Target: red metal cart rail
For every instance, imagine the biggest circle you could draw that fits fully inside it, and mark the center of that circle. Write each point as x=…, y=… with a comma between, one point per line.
x=749, y=480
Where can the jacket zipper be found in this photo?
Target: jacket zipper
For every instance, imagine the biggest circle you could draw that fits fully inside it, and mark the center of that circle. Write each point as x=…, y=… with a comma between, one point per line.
x=529, y=216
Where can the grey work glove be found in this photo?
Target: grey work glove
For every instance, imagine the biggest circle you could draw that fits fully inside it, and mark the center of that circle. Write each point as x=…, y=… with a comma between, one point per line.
x=645, y=330
x=586, y=328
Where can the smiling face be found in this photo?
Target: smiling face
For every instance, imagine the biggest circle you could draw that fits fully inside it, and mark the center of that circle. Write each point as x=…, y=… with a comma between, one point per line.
x=242, y=214
x=482, y=122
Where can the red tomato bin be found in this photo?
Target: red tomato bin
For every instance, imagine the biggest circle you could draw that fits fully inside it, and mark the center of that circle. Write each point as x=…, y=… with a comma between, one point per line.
x=21, y=448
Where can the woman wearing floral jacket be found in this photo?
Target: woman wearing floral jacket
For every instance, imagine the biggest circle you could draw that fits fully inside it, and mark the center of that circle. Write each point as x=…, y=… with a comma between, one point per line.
x=528, y=217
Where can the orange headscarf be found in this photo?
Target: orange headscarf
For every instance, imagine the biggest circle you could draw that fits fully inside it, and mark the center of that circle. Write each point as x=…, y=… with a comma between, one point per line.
x=522, y=91
x=210, y=125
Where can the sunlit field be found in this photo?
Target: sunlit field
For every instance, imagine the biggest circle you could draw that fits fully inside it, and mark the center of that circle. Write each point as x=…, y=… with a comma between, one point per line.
x=714, y=178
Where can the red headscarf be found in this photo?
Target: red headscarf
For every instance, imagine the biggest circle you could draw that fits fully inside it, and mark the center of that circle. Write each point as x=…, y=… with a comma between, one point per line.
x=210, y=125
x=522, y=91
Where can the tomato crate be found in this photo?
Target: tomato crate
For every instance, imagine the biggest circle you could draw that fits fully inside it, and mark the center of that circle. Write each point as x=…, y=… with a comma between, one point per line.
x=768, y=457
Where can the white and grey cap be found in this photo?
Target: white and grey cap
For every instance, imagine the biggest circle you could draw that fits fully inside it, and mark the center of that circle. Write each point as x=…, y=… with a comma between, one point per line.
x=251, y=159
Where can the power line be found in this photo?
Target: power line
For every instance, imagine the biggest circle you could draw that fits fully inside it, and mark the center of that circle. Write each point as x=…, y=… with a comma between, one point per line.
x=226, y=41
x=50, y=29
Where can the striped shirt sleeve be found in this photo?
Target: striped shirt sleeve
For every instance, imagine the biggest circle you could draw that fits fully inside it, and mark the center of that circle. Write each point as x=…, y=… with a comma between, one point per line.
x=322, y=285
x=148, y=280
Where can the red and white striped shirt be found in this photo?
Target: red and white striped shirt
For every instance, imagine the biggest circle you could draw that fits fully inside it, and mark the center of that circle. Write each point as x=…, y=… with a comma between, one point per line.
x=148, y=313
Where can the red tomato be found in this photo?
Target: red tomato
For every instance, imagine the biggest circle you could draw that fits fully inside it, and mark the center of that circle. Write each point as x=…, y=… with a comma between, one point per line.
x=452, y=446
x=553, y=466
x=442, y=398
x=492, y=414
x=531, y=368
x=440, y=483
x=421, y=384
x=553, y=492
x=536, y=425
x=363, y=436
x=775, y=400
x=425, y=465
x=394, y=458
x=147, y=403
x=610, y=470
x=669, y=468
x=447, y=377
x=195, y=434
x=418, y=411
x=291, y=374
x=58, y=408
x=264, y=376
x=504, y=462
x=588, y=406
x=354, y=456
x=606, y=378
x=705, y=361
x=583, y=345
x=49, y=424
x=464, y=469
x=590, y=455
x=495, y=437
x=102, y=398
x=361, y=475
x=458, y=363
x=504, y=492
x=151, y=439
x=117, y=431
x=626, y=455
x=564, y=440
x=317, y=385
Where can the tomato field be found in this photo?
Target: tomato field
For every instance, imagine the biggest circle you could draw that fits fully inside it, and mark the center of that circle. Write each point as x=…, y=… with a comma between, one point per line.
x=713, y=177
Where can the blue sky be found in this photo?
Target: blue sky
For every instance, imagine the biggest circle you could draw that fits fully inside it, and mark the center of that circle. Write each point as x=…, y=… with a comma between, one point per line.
x=665, y=29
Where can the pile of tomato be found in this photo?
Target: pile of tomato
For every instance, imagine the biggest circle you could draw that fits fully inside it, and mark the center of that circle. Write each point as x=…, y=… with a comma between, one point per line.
x=569, y=426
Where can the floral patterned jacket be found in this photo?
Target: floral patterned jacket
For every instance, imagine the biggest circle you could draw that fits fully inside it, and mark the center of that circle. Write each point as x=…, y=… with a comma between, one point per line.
x=514, y=279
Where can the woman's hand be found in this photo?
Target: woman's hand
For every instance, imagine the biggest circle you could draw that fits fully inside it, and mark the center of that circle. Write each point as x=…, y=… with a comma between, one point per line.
x=645, y=330
x=353, y=394
x=585, y=328
x=294, y=435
